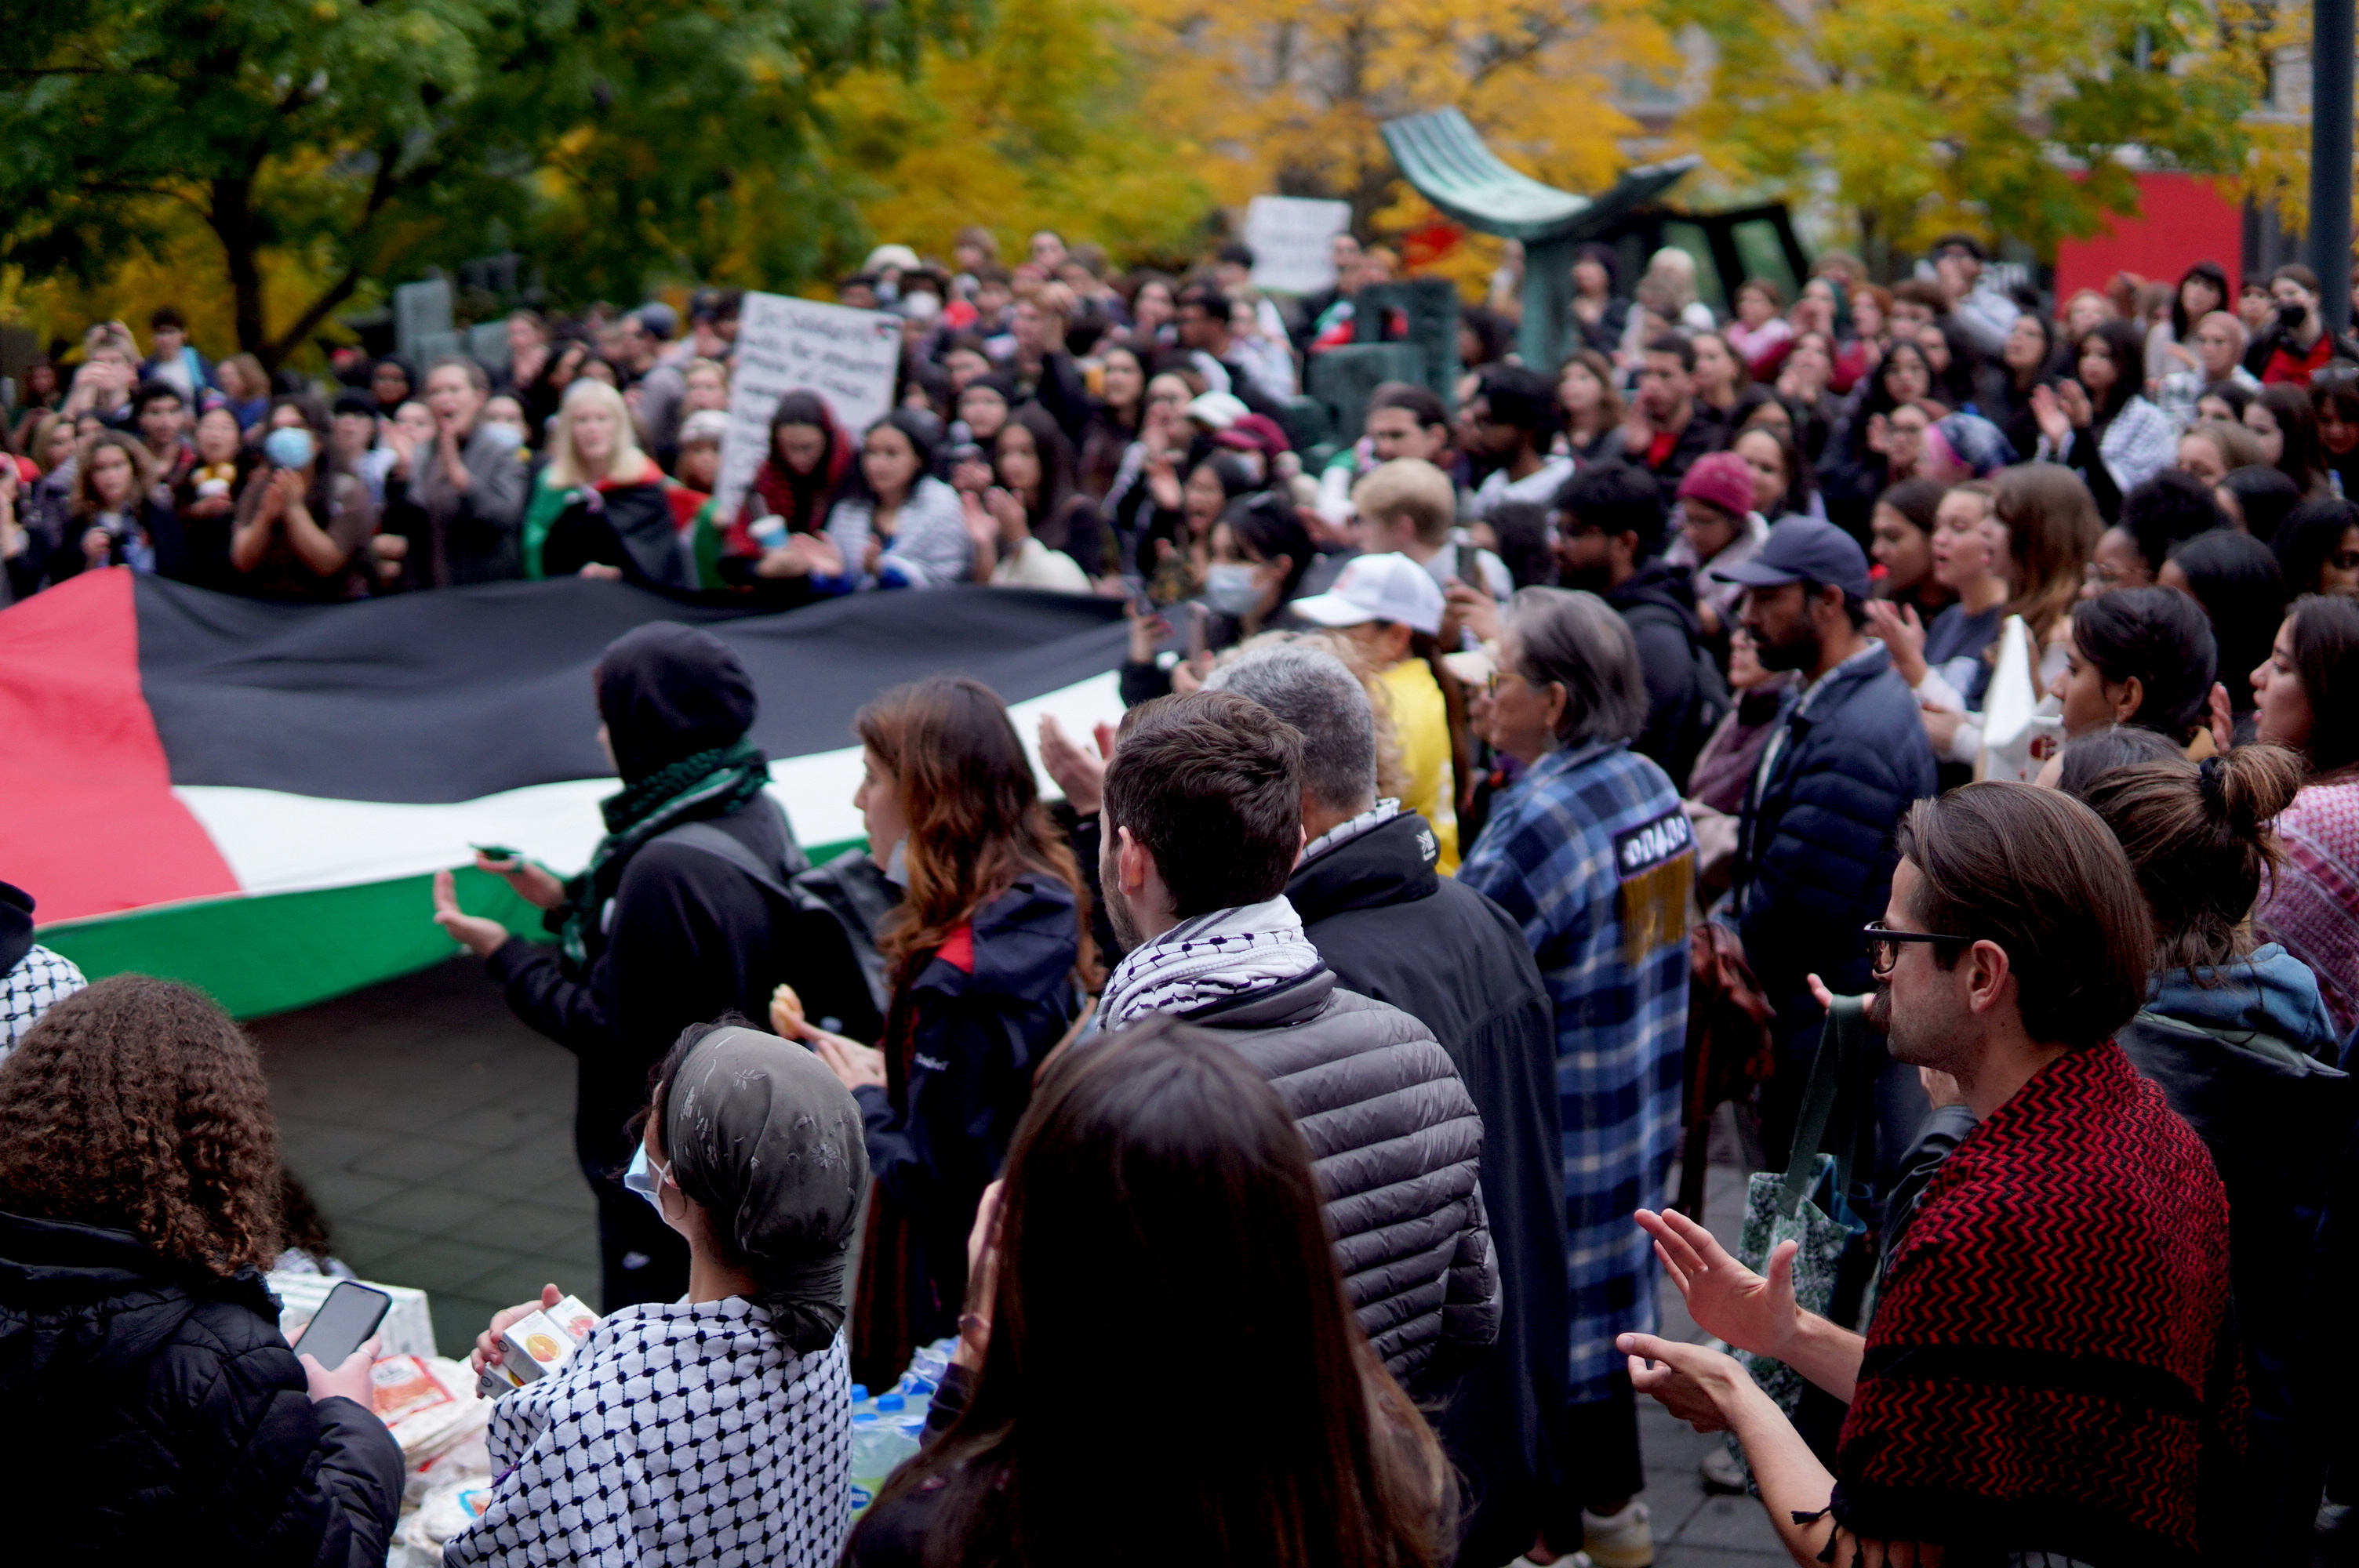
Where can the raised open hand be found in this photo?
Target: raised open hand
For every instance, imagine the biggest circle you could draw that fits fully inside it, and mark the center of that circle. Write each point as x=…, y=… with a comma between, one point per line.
x=1725, y=1298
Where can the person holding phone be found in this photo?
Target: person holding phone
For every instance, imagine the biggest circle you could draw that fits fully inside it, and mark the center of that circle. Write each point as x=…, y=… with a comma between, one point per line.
x=138, y=1207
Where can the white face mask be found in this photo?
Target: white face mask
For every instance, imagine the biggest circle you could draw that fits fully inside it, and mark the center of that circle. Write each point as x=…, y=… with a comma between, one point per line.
x=1230, y=588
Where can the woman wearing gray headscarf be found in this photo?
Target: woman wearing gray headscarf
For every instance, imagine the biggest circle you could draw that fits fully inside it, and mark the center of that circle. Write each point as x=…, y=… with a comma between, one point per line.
x=715, y=1430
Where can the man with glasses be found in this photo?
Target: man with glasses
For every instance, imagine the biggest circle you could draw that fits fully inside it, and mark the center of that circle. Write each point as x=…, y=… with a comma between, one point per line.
x=2218, y=341
x=2049, y=1367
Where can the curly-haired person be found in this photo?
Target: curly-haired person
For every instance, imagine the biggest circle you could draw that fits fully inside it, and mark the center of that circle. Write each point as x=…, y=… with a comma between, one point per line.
x=158, y=1406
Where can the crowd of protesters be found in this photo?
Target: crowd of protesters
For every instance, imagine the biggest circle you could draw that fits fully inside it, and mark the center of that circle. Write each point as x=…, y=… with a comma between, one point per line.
x=1556, y=757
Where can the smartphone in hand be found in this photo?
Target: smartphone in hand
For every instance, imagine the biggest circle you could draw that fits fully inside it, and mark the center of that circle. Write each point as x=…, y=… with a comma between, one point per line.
x=343, y=1323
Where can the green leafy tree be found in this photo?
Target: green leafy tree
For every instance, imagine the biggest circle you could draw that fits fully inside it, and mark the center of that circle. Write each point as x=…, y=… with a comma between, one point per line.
x=2017, y=120
x=360, y=140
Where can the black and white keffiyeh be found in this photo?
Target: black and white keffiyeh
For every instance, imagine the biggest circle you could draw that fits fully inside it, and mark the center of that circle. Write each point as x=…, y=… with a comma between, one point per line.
x=678, y=1435
x=1209, y=958
x=1376, y=816
x=39, y=980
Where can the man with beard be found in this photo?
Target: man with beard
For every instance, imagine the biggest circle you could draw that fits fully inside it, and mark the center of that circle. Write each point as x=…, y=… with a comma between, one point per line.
x=1201, y=825
x=2049, y=1373
x=1609, y=541
x=1814, y=846
x=1668, y=429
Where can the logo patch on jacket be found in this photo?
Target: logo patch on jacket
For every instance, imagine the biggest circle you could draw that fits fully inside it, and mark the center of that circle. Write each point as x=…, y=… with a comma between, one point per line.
x=1656, y=863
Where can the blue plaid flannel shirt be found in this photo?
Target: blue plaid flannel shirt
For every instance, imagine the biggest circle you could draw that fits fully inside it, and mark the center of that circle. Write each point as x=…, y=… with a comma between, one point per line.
x=1591, y=855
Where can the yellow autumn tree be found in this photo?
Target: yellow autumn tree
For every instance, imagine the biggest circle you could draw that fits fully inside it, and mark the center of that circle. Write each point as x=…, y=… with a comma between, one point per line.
x=1287, y=96
x=1033, y=124
x=2022, y=121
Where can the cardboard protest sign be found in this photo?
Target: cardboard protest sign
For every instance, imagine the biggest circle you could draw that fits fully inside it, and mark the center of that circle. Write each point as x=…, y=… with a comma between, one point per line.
x=848, y=357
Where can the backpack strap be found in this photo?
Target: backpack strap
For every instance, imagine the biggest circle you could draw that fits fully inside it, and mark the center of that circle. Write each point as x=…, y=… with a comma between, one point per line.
x=708, y=836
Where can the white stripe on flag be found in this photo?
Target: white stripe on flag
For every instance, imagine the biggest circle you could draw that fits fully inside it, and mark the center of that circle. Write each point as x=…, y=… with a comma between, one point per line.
x=276, y=842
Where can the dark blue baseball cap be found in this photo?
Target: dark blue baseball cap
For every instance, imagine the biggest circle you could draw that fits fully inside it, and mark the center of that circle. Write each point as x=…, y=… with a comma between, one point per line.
x=1803, y=549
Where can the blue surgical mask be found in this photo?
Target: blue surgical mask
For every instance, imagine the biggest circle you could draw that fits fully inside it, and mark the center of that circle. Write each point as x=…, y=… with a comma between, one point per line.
x=289, y=446
x=1230, y=588
x=506, y=437
x=643, y=1177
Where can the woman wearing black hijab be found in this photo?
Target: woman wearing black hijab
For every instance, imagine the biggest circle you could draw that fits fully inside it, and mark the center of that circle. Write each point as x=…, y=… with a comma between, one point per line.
x=682, y=915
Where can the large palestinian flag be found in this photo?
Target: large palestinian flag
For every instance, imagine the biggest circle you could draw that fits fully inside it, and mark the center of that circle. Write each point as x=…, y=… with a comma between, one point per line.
x=254, y=796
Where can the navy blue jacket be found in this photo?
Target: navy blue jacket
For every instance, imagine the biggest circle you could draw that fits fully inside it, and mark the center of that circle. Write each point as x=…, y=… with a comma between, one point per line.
x=979, y=1018
x=1815, y=854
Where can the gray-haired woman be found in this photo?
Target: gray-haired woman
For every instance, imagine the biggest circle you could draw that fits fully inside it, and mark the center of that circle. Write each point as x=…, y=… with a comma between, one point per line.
x=1590, y=854
x=715, y=1430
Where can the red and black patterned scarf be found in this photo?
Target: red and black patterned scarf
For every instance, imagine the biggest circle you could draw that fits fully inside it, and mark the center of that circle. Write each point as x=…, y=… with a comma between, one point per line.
x=2051, y=1368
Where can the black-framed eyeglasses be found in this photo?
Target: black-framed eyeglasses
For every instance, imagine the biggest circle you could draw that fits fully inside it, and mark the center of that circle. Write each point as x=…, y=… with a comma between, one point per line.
x=1883, y=945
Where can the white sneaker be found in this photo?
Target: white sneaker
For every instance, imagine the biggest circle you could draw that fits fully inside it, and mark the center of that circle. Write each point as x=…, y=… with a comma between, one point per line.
x=1724, y=1471
x=1625, y=1540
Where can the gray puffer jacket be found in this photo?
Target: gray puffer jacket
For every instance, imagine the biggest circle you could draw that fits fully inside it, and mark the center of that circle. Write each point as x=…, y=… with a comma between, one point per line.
x=1396, y=1143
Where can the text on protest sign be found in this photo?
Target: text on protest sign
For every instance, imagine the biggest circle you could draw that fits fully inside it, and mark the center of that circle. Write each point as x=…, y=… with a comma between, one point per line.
x=1288, y=236
x=848, y=357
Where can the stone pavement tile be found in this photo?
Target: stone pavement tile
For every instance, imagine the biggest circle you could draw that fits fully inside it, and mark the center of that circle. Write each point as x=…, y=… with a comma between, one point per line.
x=522, y=1172
x=458, y=1319
x=365, y=1246
x=522, y=1226
x=416, y=1158
x=435, y=1264
x=519, y=1276
x=498, y=1124
x=339, y=1193
x=430, y=1211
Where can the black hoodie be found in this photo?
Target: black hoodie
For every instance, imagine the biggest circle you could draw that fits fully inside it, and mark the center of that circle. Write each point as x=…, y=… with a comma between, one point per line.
x=1686, y=697
x=1394, y=929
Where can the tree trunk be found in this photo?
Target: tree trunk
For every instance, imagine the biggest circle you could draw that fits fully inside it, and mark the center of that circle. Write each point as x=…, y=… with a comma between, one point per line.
x=233, y=223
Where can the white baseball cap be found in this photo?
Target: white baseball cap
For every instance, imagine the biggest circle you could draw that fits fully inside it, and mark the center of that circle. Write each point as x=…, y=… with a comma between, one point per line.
x=1377, y=587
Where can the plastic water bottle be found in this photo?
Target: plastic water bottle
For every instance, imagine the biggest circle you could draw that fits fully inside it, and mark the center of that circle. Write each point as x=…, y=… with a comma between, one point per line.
x=875, y=1450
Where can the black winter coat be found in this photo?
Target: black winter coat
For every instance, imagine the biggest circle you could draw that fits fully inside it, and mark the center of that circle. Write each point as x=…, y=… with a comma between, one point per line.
x=690, y=938
x=157, y=1416
x=1393, y=929
x=1815, y=854
x=1685, y=696
x=1397, y=1144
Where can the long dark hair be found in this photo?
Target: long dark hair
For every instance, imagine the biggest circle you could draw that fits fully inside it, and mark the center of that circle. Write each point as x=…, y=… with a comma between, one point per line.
x=2123, y=347
x=2326, y=655
x=973, y=805
x=2159, y=635
x=2235, y=579
x=924, y=433
x=137, y=1105
x=1144, y=1167
x=1050, y=513
x=810, y=495
x=2308, y=537
x=1268, y=524
x=2301, y=458
x=2211, y=272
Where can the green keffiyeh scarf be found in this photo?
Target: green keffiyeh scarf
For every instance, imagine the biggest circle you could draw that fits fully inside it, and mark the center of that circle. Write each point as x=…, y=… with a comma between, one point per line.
x=710, y=784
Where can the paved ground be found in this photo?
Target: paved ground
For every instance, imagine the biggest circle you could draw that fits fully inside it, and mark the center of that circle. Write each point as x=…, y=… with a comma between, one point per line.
x=433, y=1131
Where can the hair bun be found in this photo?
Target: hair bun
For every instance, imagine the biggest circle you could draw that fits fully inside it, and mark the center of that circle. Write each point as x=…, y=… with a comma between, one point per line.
x=2250, y=785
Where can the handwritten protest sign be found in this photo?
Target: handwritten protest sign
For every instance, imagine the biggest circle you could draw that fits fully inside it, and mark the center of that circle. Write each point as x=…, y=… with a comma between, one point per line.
x=846, y=356
x=1288, y=239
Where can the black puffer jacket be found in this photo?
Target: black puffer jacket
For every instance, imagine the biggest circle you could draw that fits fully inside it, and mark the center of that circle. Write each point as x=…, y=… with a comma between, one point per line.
x=1394, y=929
x=157, y=1416
x=1397, y=1146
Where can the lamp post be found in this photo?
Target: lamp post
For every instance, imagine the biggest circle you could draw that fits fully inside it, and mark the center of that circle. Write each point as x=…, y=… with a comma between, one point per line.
x=2331, y=58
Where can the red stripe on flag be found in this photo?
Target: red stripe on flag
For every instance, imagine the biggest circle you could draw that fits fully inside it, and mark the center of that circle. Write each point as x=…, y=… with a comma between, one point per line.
x=88, y=821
